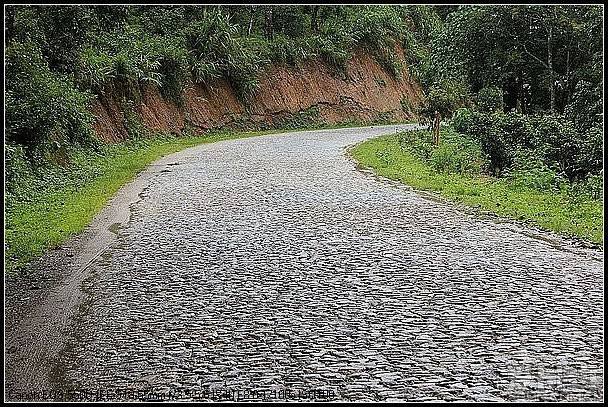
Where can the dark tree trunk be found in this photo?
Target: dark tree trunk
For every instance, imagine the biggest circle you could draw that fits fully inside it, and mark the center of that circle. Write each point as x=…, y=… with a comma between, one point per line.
x=520, y=103
x=314, y=19
x=251, y=16
x=268, y=28
x=436, y=124
x=551, y=70
x=568, y=85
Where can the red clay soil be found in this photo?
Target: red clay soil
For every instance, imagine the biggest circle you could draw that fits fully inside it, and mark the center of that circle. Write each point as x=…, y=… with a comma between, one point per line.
x=366, y=93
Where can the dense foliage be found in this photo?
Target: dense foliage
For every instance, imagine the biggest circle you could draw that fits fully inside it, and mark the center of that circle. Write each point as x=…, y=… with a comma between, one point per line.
x=536, y=54
x=524, y=82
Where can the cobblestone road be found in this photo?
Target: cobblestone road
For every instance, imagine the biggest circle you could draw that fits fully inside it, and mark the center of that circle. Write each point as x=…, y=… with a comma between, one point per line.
x=271, y=263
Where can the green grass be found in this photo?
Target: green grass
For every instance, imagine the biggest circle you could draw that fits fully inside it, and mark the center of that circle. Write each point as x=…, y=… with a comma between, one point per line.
x=557, y=211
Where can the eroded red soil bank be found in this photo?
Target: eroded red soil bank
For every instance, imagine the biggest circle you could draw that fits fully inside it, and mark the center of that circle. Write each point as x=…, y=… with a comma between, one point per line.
x=313, y=92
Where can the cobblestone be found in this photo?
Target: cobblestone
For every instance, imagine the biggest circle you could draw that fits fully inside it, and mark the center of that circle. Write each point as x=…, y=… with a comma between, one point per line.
x=272, y=263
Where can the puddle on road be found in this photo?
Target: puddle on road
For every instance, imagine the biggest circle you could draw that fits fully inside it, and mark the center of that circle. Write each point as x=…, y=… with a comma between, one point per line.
x=75, y=335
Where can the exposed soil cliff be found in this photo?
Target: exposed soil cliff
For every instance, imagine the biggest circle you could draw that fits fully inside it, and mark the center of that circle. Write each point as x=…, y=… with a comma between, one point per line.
x=287, y=97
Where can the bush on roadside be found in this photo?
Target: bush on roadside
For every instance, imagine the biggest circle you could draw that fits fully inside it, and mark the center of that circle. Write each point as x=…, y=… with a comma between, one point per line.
x=461, y=120
x=558, y=143
x=44, y=110
x=457, y=159
x=592, y=186
x=445, y=97
x=489, y=100
x=530, y=171
x=455, y=155
x=586, y=108
x=553, y=138
x=418, y=143
x=18, y=170
x=482, y=128
x=173, y=67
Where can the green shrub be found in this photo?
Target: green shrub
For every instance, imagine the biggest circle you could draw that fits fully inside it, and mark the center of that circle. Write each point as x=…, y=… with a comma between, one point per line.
x=216, y=48
x=530, y=171
x=290, y=51
x=241, y=67
x=445, y=159
x=458, y=156
x=210, y=38
x=44, y=110
x=589, y=156
x=553, y=138
x=461, y=120
x=558, y=142
x=592, y=186
x=436, y=100
x=173, y=67
x=125, y=67
x=204, y=71
x=482, y=128
x=498, y=151
x=585, y=108
x=379, y=27
x=418, y=143
x=18, y=171
x=517, y=130
x=490, y=100
x=59, y=31
x=336, y=57
x=147, y=68
x=95, y=70
x=335, y=44
x=291, y=22
x=132, y=122
x=444, y=97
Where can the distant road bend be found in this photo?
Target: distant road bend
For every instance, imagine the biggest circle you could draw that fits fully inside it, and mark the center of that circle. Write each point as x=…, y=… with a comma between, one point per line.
x=272, y=263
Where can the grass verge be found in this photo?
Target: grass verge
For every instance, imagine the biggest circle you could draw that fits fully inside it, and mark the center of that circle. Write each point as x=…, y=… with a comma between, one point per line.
x=576, y=216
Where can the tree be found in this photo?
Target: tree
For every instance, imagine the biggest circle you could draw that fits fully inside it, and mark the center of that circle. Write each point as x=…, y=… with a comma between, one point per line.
x=543, y=48
x=268, y=24
x=314, y=18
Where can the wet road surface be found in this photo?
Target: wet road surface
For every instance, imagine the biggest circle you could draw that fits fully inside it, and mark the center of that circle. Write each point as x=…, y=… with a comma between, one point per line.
x=272, y=264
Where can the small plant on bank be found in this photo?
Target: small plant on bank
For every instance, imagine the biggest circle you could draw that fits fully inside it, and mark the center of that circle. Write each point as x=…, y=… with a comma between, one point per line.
x=490, y=100
x=530, y=171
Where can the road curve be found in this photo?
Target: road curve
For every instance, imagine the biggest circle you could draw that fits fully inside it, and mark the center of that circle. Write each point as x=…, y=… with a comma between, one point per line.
x=272, y=264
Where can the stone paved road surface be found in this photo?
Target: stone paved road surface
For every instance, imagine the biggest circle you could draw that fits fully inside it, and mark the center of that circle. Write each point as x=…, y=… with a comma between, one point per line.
x=273, y=264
